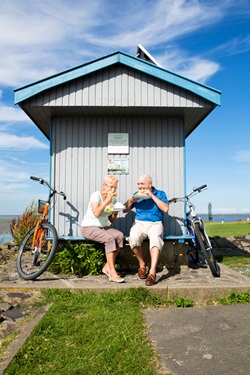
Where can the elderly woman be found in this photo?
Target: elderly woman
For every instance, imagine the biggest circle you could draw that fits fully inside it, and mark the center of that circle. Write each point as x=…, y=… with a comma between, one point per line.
x=96, y=225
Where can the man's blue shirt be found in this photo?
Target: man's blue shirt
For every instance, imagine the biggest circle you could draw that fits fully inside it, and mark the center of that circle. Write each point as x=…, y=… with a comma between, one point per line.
x=147, y=209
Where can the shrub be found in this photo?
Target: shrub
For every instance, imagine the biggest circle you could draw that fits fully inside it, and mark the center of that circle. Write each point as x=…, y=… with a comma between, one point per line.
x=20, y=226
x=78, y=258
x=184, y=302
x=235, y=297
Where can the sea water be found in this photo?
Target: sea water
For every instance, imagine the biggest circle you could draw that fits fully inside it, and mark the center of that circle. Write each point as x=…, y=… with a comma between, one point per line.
x=6, y=236
x=226, y=218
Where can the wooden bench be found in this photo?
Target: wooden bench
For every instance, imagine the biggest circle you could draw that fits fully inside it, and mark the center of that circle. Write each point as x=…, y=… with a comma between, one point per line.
x=179, y=239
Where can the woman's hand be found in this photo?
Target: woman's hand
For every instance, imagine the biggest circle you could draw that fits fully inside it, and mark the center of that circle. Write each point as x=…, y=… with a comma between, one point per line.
x=110, y=195
x=107, y=196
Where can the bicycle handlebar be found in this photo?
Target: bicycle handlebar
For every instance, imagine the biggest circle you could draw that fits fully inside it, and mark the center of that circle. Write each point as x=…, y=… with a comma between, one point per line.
x=42, y=181
x=63, y=195
x=37, y=179
x=200, y=188
x=195, y=190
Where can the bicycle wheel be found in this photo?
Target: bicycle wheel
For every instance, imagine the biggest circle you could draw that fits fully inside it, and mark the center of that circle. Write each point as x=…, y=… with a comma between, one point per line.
x=32, y=263
x=207, y=250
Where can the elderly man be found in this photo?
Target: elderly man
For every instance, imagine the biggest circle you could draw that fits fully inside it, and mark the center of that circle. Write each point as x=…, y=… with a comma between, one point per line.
x=150, y=204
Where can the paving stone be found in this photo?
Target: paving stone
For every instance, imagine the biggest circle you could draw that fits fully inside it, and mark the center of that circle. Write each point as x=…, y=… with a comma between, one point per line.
x=14, y=314
x=18, y=295
x=5, y=306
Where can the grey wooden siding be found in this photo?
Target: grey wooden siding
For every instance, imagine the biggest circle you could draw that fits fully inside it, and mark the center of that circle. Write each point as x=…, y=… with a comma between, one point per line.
x=117, y=86
x=79, y=163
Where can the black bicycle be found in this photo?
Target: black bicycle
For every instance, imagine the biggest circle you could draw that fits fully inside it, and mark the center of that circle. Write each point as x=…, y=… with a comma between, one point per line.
x=40, y=243
x=200, y=242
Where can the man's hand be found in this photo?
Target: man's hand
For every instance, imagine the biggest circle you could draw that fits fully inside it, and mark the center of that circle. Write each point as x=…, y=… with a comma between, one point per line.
x=148, y=192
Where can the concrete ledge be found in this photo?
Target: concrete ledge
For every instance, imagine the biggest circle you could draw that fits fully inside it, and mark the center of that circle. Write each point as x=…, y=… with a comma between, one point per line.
x=197, y=284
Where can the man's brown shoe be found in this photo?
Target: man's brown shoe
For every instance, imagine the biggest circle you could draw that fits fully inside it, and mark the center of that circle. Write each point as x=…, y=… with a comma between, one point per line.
x=142, y=273
x=151, y=279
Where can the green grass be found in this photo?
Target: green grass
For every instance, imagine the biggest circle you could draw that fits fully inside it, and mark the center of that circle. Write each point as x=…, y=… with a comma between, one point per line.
x=228, y=229
x=241, y=262
x=91, y=333
x=234, y=261
x=237, y=228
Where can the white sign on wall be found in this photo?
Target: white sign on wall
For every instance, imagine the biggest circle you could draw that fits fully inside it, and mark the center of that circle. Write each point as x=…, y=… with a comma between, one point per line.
x=118, y=143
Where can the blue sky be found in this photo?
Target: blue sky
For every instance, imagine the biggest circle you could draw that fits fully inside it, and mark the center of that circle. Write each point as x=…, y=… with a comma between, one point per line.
x=207, y=41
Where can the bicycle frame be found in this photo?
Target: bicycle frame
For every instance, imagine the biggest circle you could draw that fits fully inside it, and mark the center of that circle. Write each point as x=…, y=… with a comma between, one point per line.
x=40, y=236
x=196, y=228
x=190, y=229
x=39, y=245
x=191, y=212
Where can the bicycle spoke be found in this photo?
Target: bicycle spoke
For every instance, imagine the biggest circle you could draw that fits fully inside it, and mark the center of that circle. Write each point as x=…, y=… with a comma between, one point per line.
x=207, y=250
x=32, y=263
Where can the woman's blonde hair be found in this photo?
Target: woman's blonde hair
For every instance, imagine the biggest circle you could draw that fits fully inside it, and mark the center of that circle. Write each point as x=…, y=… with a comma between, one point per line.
x=110, y=178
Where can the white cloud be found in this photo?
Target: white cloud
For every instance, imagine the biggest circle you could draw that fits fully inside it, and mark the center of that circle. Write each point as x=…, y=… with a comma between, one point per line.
x=12, y=114
x=168, y=20
x=38, y=39
x=17, y=190
x=233, y=46
x=11, y=188
x=12, y=176
x=195, y=68
x=11, y=141
x=199, y=70
x=17, y=196
x=243, y=156
x=13, y=171
x=20, y=161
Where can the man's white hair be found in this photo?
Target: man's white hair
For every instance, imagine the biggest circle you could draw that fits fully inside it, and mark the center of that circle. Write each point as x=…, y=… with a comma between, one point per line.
x=149, y=178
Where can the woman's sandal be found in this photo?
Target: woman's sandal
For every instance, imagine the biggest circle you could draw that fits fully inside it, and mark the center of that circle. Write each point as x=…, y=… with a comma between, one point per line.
x=105, y=272
x=110, y=278
x=117, y=280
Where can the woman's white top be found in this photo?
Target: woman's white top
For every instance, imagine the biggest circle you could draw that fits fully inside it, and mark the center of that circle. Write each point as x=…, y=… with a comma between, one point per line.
x=90, y=219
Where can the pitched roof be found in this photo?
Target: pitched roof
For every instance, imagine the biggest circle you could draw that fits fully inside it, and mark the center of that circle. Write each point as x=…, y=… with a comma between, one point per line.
x=43, y=99
x=206, y=92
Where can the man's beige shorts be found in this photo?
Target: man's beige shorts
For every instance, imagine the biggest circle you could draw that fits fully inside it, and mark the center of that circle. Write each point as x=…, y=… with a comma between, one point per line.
x=146, y=229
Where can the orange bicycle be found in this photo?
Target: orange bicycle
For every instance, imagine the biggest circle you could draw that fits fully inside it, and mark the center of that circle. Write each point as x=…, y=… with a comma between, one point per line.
x=40, y=243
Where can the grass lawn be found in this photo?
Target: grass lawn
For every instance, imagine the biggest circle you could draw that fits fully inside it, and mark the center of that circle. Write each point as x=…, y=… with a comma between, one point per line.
x=236, y=261
x=236, y=228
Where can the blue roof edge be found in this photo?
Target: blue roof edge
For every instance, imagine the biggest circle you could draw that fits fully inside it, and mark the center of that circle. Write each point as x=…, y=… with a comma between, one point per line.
x=27, y=91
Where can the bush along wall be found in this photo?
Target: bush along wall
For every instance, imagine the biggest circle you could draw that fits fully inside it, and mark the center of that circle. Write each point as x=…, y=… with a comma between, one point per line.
x=78, y=258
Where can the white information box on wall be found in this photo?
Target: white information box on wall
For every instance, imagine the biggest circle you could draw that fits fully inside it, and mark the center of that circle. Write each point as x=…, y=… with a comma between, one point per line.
x=118, y=143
